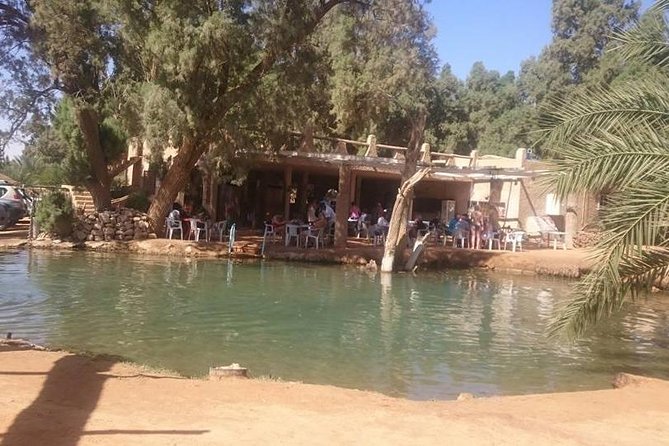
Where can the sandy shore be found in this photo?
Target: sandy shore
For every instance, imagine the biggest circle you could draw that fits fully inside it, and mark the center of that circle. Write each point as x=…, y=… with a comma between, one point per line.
x=58, y=399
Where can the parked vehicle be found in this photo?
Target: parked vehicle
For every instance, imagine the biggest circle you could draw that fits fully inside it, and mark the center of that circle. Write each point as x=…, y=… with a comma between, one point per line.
x=12, y=205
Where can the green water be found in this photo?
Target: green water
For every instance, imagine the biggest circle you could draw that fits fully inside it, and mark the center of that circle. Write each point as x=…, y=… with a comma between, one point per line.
x=428, y=336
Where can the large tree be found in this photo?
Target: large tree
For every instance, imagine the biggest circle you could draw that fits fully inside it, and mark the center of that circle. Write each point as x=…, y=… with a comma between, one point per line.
x=174, y=71
x=616, y=140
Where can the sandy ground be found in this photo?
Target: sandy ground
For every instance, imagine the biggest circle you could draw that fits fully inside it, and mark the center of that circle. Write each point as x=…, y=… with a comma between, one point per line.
x=58, y=399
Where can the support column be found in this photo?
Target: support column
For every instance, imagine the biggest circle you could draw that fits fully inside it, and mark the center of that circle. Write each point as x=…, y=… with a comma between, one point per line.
x=571, y=221
x=343, y=200
x=287, y=182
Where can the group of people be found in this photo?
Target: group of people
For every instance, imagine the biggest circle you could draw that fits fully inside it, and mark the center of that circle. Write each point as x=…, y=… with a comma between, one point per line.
x=476, y=226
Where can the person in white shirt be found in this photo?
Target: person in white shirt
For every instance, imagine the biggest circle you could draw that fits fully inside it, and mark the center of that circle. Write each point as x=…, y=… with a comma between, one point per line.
x=382, y=224
x=328, y=212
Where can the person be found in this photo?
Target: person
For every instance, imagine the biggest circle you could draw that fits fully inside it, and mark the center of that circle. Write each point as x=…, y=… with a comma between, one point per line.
x=382, y=223
x=452, y=223
x=354, y=212
x=476, y=227
x=462, y=228
x=278, y=222
x=311, y=212
x=328, y=212
x=320, y=222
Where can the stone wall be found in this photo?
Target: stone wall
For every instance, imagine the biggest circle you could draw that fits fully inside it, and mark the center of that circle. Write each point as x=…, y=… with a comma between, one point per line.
x=124, y=224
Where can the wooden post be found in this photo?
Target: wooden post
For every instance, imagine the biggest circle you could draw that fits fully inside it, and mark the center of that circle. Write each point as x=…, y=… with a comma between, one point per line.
x=287, y=182
x=474, y=159
x=425, y=155
x=341, y=148
x=307, y=144
x=302, y=195
x=371, y=146
x=343, y=201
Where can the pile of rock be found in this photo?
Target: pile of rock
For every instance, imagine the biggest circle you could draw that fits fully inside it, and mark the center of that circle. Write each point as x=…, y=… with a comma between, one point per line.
x=587, y=239
x=124, y=224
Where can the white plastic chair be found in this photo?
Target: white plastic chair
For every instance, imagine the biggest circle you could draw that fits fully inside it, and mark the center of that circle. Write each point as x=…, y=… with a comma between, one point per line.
x=269, y=232
x=462, y=237
x=220, y=227
x=492, y=238
x=313, y=234
x=292, y=231
x=197, y=228
x=172, y=225
x=516, y=239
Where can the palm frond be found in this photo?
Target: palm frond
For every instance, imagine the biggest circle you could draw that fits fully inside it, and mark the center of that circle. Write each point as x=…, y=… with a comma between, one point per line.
x=607, y=161
x=648, y=41
x=606, y=289
x=637, y=217
x=644, y=103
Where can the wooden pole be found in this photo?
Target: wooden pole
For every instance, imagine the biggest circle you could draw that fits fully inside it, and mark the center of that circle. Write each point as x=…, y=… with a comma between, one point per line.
x=287, y=182
x=343, y=201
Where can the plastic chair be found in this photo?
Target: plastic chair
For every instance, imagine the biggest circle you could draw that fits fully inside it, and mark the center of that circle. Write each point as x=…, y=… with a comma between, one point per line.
x=292, y=231
x=198, y=227
x=313, y=234
x=462, y=237
x=221, y=227
x=269, y=232
x=492, y=238
x=172, y=225
x=516, y=239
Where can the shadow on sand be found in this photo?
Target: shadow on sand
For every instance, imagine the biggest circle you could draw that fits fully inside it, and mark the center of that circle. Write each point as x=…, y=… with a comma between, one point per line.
x=58, y=416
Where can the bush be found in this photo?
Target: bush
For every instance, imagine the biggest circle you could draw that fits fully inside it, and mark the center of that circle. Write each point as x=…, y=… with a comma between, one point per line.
x=54, y=213
x=138, y=201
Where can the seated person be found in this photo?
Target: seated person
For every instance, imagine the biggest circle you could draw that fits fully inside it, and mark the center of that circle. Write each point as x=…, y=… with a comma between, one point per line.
x=278, y=222
x=320, y=222
x=354, y=212
x=462, y=226
x=382, y=223
x=452, y=223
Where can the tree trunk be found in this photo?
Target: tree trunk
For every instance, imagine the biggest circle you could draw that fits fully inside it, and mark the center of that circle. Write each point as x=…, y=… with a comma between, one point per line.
x=175, y=180
x=398, y=221
x=100, y=183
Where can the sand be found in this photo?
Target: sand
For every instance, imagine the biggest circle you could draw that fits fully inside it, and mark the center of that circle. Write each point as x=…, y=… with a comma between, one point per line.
x=57, y=399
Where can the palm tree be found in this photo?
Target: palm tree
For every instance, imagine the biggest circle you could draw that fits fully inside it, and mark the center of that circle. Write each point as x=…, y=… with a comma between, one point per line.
x=616, y=139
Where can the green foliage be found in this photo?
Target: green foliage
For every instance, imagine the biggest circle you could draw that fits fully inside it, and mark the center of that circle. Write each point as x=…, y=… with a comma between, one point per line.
x=139, y=201
x=615, y=139
x=54, y=213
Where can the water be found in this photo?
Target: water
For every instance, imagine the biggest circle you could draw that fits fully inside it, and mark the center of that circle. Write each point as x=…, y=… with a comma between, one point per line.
x=424, y=337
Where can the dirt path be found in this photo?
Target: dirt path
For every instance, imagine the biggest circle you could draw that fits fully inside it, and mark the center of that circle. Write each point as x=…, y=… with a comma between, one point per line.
x=58, y=399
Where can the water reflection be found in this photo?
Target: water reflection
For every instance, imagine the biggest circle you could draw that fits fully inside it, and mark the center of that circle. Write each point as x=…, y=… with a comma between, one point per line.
x=425, y=336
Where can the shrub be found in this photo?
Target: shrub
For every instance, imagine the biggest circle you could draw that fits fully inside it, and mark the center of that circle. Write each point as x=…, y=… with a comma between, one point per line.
x=138, y=201
x=54, y=213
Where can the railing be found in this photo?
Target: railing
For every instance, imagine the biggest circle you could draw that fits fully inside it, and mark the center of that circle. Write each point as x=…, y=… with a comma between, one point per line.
x=307, y=143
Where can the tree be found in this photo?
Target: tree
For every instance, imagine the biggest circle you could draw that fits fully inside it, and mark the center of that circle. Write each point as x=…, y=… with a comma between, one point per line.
x=52, y=49
x=200, y=64
x=615, y=139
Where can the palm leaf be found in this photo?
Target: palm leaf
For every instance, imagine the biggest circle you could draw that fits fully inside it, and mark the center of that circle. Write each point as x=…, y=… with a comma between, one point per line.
x=642, y=104
x=605, y=290
x=649, y=42
x=607, y=161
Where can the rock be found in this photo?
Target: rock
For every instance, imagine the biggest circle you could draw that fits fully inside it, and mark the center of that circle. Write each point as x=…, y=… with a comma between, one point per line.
x=230, y=371
x=626, y=379
x=371, y=266
x=464, y=396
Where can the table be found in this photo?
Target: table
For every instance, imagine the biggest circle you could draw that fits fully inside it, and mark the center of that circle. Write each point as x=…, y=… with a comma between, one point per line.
x=557, y=237
x=294, y=230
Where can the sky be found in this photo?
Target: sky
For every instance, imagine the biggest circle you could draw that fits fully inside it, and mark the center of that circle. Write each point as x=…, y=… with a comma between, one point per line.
x=501, y=34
